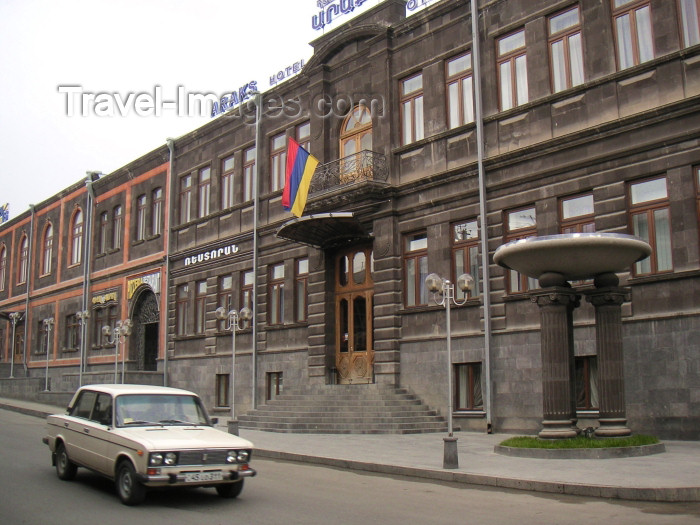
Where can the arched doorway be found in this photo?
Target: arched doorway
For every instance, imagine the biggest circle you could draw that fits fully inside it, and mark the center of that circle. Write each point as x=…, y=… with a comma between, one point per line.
x=144, y=339
x=354, y=302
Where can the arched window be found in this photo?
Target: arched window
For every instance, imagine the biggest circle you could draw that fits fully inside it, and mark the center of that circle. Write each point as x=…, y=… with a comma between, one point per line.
x=23, y=266
x=356, y=133
x=47, y=249
x=76, y=238
x=3, y=267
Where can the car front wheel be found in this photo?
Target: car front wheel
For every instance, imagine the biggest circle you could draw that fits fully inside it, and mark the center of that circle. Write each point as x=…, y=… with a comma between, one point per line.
x=130, y=490
x=230, y=490
x=65, y=468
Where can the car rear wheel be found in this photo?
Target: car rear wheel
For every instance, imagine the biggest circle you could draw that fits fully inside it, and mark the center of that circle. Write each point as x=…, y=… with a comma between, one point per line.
x=129, y=489
x=230, y=490
x=65, y=468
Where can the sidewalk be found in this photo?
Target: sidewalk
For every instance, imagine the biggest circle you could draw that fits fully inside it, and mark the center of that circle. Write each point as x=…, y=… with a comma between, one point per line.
x=670, y=476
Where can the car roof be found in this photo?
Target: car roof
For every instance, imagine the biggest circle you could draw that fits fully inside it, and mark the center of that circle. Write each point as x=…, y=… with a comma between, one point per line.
x=118, y=389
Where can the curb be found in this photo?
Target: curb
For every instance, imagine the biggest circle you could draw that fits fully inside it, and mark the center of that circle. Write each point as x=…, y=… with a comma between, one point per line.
x=581, y=453
x=669, y=494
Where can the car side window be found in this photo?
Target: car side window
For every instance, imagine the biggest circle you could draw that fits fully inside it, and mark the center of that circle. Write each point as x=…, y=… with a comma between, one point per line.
x=103, y=410
x=83, y=406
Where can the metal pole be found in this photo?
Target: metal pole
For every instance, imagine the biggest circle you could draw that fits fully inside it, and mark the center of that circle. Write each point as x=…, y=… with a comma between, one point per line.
x=233, y=365
x=258, y=143
x=47, y=323
x=447, y=290
x=122, y=339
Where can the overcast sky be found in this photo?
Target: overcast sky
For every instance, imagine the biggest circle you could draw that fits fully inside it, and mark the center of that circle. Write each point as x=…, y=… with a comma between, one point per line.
x=54, y=53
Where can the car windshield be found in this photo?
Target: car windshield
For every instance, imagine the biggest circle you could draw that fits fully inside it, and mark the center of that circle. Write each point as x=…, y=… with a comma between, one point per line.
x=159, y=409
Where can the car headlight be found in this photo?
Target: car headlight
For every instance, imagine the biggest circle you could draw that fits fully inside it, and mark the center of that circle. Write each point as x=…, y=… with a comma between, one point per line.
x=243, y=456
x=155, y=459
x=231, y=456
x=170, y=459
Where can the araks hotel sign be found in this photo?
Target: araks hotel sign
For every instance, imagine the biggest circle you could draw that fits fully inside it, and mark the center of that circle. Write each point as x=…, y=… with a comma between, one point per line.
x=332, y=9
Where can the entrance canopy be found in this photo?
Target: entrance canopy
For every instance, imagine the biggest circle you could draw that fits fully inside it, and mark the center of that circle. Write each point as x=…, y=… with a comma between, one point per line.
x=324, y=230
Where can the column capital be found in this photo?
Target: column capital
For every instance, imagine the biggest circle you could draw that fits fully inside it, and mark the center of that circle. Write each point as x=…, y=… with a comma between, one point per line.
x=612, y=296
x=556, y=296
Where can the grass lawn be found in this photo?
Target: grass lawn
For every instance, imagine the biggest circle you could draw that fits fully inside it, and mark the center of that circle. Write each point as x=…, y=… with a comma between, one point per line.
x=579, y=442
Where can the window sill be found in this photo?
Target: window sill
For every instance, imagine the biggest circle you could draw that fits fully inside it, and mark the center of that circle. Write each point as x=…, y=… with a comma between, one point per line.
x=469, y=414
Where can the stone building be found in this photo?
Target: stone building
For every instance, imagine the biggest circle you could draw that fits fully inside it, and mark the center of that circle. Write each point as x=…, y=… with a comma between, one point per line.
x=434, y=150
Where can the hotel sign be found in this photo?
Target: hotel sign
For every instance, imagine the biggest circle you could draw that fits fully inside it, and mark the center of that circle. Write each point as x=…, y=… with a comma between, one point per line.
x=104, y=298
x=332, y=9
x=210, y=255
x=152, y=280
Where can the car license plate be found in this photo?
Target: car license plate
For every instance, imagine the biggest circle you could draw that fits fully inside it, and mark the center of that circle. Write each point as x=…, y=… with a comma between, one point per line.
x=194, y=477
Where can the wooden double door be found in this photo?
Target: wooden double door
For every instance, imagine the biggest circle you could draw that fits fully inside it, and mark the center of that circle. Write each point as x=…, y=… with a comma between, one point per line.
x=354, y=302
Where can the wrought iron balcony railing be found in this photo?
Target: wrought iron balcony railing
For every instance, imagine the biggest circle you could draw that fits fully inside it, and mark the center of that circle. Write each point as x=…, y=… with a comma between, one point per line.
x=363, y=166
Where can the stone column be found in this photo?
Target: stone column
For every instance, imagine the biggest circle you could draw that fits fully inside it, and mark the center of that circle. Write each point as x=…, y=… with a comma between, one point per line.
x=556, y=308
x=607, y=298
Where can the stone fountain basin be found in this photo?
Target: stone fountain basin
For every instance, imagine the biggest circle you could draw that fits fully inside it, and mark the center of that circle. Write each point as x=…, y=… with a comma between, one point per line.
x=576, y=256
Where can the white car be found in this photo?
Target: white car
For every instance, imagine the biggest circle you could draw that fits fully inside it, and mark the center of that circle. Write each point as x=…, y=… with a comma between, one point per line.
x=146, y=436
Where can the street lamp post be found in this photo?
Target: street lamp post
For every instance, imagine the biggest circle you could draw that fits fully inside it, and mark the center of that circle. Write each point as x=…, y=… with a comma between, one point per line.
x=233, y=320
x=439, y=286
x=15, y=317
x=116, y=336
x=48, y=323
x=82, y=316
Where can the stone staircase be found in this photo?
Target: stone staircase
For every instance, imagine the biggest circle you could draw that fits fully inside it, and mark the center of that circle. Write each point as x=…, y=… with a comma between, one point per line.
x=345, y=409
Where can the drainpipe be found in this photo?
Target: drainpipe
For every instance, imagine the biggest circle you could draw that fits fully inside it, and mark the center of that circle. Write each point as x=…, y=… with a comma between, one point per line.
x=258, y=143
x=166, y=248
x=483, y=223
x=27, y=328
x=87, y=268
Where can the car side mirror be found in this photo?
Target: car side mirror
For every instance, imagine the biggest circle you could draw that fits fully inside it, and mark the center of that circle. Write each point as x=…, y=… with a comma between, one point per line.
x=214, y=420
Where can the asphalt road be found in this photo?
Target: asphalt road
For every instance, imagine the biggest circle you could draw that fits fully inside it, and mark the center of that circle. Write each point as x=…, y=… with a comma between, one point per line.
x=288, y=493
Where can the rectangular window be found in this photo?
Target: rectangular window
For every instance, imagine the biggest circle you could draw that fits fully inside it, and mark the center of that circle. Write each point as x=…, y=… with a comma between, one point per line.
x=104, y=225
x=185, y=199
x=586, y=382
x=3, y=267
x=141, y=218
x=182, y=309
x=225, y=298
x=468, y=395
x=633, y=36
x=99, y=319
x=576, y=214
x=275, y=297
x=247, y=290
x=47, y=256
x=204, y=191
x=304, y=135
x=248, y=173
x=77, y=238
x=301, y=290
x=227, y=198
x=112, y=316
x=411, y=99
x=157, y=211
x=200, y=306
x=42, y=345
x=23, y=260
x=650, y=220
x=566, y=50
x=223, y=390
x=274, y=385
x=117, y=227
x=465, y=255
x=278, y=161
x=460, y=98
x=416, y=269
x=512, y=70
x=72, y=331
x=690, y=22
x=520, y=224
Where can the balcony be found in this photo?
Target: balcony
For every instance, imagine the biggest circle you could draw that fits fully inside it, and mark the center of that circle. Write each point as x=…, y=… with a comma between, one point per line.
x=359, y=167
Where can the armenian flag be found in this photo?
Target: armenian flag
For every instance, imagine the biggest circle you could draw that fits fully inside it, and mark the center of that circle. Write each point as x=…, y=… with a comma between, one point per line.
x=300, y=168
x=4, y=213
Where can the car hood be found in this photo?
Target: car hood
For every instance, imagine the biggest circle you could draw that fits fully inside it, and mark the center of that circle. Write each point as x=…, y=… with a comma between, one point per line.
x=183, y=437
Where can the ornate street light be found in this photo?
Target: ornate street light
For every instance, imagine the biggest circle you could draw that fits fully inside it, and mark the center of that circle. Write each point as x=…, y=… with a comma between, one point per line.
x=48, y=323
x=116, y=336
x=233, y=320
x=82, y=316
x=15, y=317
x=443, y=287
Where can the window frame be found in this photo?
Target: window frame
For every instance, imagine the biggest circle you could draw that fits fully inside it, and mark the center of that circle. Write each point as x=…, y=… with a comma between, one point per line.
x=185, y=198
x=411, y=105
x=76, y=238
x=72, y=332
x=249, y=161
x=685, y=19
x=200, y=307
x=564, y=36
x=301, y=286
x=274, y=385
x=511, y=57
x=576, y=223
x=469, y=249
x=586, y=383
x=224, y=298
x=631, y=8
x=141, y=207
x=275, y=295
x=649, y=208
x=278, y=161
x=471, y=394
x=204, y=191
x=3, y=266
x=104, y=232
x=223, y=390
x=182, y=309
x=246, y=289
x=463, y=117
x=23, y=260
x=525, y=283
x=47, y=250
x=303, y=135
x=117, y=215
x=157, y=199
x=228, y=196
x=419, y=295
